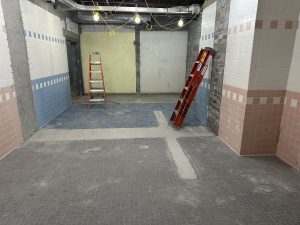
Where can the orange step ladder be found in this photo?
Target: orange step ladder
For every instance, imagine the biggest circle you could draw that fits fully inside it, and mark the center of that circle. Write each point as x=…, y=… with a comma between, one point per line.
x=96, y=79
x=191, y=87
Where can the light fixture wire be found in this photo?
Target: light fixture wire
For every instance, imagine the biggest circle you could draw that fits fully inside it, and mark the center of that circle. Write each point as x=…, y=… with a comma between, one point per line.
x=149, y=26
x=178, y=28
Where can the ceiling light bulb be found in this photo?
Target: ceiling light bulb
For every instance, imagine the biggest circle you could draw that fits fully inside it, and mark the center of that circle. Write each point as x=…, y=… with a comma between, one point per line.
x=180, y=22
x=96, y=16
x=137, y=18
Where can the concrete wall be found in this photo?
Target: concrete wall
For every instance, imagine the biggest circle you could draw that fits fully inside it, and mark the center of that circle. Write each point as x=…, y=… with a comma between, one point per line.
x=217, y=71
x=10, y=126
x=194, y=35
x=47, y=58
x=163, y=61
x=118, y=57
x=20, y=67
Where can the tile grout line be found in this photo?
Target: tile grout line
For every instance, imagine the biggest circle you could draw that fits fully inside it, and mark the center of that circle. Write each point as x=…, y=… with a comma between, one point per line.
x=184, y=167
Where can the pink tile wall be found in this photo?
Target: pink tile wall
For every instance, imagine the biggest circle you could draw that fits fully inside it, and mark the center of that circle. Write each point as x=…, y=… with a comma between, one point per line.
x=250, y=120
x=232, y=113
x=288, y=148
x=10, y=127
x=262, y=122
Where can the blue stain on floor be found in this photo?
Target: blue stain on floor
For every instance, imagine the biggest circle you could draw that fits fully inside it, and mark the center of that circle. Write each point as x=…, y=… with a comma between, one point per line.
x=130, y=115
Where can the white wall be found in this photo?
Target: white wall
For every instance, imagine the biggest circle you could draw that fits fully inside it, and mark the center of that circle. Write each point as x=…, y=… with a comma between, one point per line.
x=208, y=31
x=208, y=26
x=45, y=57
x=240, y=42
x=294, y=75
x=273, y=45
x=163, y=61
x=6, y=76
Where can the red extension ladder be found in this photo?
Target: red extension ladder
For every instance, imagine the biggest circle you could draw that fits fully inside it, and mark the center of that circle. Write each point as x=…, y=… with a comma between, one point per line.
x=191, y=87
x=96, y=79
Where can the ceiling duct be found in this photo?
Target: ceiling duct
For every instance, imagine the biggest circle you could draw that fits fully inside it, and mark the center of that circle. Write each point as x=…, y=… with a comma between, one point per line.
x=83, y=17
x=73, y=6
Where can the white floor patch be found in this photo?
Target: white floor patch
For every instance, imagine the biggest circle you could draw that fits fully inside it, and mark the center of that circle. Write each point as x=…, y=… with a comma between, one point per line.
x=161, y=119
x=118, y=133
x=185, y=169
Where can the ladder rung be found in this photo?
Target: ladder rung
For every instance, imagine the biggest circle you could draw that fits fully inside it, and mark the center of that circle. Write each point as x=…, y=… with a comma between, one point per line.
x=96, y=81
x=97, y=100
x=95, y=71
x=187, y=96
x=97, y=90
x=95, y=63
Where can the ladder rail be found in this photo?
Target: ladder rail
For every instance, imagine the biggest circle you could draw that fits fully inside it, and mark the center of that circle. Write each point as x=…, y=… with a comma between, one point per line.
x=193, y=93
x=92, y=72
x=191, y=78
x=90, y=78
x=103, y=83
x=192, y=90
x=191, y=86
x=186, y=91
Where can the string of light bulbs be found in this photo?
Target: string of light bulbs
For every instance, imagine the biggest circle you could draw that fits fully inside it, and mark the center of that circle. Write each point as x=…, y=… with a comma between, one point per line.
x=137, y=18
x=180, y=22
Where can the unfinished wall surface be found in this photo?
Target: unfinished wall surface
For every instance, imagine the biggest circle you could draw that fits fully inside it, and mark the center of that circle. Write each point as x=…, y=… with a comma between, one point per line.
x=217, y=71
x=206, y=40
x=20, y=67
x=118, y=57
x=288, y=148
x=10, y=126
x=194, y=35
x=163, y=61
x=47, y=57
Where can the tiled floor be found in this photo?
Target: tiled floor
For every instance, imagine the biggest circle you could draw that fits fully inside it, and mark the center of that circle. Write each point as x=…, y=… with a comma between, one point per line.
x=132, y=180
x=124, y=115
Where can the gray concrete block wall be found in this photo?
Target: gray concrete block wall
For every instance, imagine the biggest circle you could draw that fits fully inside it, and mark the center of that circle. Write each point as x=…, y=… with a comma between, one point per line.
x=194, y=34
x=20, y=66
x=217, y=73
x=19, y=61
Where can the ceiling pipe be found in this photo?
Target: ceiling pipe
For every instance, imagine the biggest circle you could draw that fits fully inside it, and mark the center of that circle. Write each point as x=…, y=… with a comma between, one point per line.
x=116, y=18
x=73, y=6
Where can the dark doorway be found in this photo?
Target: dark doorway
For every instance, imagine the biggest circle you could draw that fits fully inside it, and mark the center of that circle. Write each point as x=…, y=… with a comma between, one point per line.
x=74, y=63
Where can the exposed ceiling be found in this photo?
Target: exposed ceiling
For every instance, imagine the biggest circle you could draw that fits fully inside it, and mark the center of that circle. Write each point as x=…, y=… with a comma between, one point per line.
x=141, y=3
x=165, y=12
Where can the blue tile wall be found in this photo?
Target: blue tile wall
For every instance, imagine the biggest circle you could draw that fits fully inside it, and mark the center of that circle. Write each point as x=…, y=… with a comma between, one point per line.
x=44, y=37
x=51, y=97
x=201, y=101
x=208, y=36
